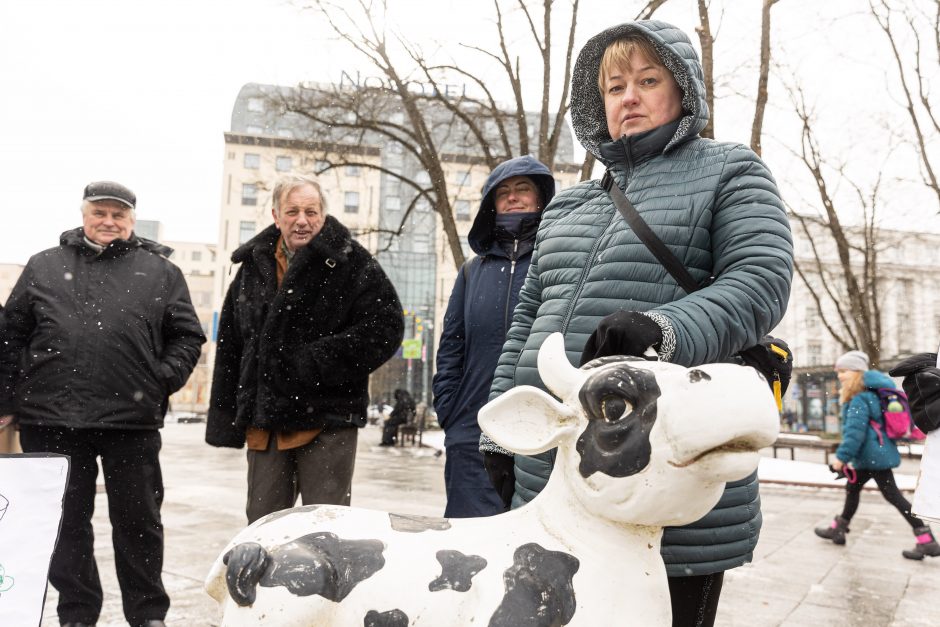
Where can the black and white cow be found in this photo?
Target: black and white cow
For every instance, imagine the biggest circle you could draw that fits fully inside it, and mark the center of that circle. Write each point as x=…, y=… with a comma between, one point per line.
x=641, y=445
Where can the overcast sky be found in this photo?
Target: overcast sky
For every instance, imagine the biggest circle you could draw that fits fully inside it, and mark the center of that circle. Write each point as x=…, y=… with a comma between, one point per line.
x=141, y=92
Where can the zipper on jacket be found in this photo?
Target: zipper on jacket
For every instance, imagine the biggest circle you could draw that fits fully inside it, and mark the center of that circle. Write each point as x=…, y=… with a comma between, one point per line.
x=584, y=271
x=512, y=272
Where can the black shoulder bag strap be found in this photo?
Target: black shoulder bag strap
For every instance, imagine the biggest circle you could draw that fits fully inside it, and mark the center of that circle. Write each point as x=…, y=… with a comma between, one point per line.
x=647, y=236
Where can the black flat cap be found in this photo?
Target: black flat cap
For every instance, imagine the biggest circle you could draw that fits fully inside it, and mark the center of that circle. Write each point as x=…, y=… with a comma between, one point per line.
x=109, y=190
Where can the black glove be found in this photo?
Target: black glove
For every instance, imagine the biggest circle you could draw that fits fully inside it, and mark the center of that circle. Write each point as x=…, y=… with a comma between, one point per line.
x=766, y=361
x=501, y=469
x=846, y=472
x=922, y=386
x=622, y=333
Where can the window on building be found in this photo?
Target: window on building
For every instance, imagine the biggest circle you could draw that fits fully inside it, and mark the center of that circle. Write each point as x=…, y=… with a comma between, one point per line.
x=462, y=209
x=249, y=194
x=321, y=165
x=252, y=129
x=196, y=255
x=812, y=318
x=246, y=230
x=252, y=161
x=352, y=170
x=814, y=353
x=421, y=242
x=285, y=132
x=393, y=203
x=283, y=164
x=351, y=202
x=422, y=178
x=256, y=104
x=462, y=177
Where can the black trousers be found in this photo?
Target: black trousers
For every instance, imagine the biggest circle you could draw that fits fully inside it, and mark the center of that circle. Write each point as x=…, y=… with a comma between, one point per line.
x=889, y=489
x=695, y=599
x=134, y=483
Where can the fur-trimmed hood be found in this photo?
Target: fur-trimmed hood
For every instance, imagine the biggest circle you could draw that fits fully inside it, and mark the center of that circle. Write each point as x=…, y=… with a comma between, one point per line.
x=588, y=116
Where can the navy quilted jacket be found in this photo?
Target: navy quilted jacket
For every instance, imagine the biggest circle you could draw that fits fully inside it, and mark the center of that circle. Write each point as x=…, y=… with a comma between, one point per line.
x=716, y=206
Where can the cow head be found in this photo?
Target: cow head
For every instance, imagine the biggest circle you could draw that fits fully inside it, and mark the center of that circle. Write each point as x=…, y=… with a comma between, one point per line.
x=643, y=442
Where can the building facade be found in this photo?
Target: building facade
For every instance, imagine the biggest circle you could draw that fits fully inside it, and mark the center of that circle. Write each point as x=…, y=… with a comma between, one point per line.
x=906, y=279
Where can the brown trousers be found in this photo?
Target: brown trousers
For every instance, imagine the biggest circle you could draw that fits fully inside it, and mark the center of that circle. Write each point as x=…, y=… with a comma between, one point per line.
x=320, y=472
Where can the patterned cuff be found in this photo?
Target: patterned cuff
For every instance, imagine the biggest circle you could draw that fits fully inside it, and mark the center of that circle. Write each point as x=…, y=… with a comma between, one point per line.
x=489, y=446
x=668, y=346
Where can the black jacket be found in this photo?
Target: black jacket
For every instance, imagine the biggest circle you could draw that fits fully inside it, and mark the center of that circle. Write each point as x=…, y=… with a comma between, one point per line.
x=97, y=340
x=299, y=356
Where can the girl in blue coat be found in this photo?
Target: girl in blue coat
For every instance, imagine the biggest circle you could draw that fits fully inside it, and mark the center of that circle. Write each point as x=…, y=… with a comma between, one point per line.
x=869, y=452
x=478, y=315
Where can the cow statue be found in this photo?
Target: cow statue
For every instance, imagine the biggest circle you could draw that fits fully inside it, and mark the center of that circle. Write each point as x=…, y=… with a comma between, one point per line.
x=641, y=445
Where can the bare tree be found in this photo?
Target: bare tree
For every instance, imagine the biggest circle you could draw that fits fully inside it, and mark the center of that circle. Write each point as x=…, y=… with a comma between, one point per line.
x=917, y=68
x=762, y=76
x=707, y=41
x=848, y=287
x=415, y=106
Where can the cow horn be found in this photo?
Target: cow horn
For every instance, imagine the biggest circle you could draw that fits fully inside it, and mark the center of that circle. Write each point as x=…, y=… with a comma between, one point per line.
x=560, y=377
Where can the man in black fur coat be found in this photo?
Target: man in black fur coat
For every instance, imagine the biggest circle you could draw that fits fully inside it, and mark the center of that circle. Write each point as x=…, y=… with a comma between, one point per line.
x=309, y=315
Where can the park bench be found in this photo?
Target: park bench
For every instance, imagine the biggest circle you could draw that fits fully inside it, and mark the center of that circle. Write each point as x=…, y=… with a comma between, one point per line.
x=793, y=441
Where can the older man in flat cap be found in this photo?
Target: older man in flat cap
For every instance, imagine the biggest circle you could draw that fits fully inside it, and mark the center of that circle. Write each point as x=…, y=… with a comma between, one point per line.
x=96, y=335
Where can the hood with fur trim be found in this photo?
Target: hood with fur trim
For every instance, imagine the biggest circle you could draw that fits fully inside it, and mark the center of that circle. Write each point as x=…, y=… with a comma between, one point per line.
x=588, y=116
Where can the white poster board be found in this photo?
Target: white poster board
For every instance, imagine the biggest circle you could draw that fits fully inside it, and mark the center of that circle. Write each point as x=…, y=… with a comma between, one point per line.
x=926, y=502
x=32, y=487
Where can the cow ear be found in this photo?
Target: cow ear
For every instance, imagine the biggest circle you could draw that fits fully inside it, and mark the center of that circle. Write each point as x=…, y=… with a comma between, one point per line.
x=527, y=420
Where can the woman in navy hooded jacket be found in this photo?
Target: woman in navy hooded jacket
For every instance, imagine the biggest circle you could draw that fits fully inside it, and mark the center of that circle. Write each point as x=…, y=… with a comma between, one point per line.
x=478, y=315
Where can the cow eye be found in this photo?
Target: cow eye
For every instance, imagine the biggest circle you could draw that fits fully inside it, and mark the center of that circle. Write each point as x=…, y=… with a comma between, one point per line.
x=614, y=408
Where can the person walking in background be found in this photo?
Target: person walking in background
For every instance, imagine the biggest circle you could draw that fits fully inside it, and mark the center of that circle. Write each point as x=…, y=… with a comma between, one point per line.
x=638, y=104
x=867, y=453
x=403, y=412
x=97, y=333
x=478, y=315
x=309, y=315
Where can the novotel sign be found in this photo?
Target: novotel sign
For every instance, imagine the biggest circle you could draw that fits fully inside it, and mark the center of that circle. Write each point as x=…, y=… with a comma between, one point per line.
x=448, y=90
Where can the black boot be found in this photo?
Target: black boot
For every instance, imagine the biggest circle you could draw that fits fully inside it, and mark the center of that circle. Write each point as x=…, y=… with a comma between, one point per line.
x=926, y=545
x=835, y=531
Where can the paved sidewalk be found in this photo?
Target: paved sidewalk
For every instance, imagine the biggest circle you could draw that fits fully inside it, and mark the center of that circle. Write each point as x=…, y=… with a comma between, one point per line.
x=795, y=580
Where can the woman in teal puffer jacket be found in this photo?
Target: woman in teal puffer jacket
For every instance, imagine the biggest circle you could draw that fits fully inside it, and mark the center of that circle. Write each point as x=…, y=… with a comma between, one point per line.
x=638, y=104
x=867, y=453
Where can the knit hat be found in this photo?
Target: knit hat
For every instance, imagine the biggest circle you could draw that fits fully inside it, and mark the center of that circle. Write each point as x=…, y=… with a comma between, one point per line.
x=853, y=360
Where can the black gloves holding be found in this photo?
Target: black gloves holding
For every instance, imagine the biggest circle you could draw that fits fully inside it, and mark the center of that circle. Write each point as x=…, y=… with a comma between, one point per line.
x=922, y=386
x=501, y=469
x=622, y=333
x=766, y=360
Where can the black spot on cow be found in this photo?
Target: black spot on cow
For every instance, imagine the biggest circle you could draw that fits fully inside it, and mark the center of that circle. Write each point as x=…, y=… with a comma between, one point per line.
x=288, y=512
x=391, y=618
x=539, y=592
x=317, y=563
x=696, y=376
x=417, y=524
x=457, y=570
x=620, y=403
x=245, y=565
